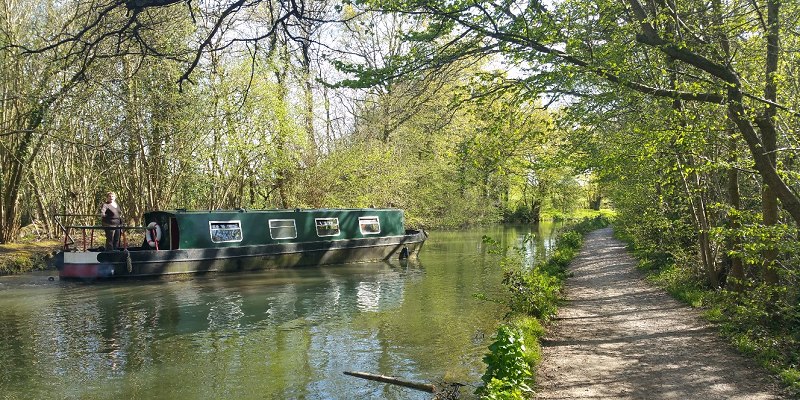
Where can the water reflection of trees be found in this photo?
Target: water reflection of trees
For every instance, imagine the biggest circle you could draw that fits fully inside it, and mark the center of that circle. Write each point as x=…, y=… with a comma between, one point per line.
x=219, y=334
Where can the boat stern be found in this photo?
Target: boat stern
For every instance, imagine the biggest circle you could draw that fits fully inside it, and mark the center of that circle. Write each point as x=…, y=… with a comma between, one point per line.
x=82, y=265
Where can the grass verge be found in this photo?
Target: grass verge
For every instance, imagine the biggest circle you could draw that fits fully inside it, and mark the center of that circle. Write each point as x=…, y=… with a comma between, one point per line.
x=16, y=258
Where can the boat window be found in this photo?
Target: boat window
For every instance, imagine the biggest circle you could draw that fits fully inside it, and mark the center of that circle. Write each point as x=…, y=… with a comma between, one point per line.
x=225, y=231
x=327, y=226
x=282, y=229
x=369, y=225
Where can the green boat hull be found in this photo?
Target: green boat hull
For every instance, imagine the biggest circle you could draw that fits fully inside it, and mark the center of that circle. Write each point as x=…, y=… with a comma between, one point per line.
x=138, y=262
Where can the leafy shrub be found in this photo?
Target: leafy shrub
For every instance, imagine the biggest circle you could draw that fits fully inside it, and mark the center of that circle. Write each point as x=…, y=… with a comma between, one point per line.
x=532, y=331
x=18, y=264
x=522, y=213
x=502, y=390
x=570, y=239
x=14, y=265
x=533, y=293
x=507, y=370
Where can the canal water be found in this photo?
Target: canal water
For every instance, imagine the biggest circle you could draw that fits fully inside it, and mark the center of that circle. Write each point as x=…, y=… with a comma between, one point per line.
x=287, y=334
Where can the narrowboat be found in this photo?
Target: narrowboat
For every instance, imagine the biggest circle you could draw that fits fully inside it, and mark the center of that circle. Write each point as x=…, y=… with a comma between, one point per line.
x=196, y=242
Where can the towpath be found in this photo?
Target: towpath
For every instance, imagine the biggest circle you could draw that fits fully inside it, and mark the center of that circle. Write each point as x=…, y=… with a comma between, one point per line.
x=617, y=337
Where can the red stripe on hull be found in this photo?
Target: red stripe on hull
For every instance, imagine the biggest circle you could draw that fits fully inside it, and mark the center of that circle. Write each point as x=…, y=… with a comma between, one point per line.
x=84, y=271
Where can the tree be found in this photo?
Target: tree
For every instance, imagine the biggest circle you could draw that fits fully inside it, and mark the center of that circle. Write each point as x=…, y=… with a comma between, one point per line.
x=29, y=88
x=622, y=44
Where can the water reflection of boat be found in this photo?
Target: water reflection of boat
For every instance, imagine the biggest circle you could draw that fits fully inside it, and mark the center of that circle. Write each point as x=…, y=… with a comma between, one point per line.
x=181, y=242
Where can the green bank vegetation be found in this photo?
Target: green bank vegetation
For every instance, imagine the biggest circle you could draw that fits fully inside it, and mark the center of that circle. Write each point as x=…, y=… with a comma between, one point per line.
x=533, y=294
x=26, y=256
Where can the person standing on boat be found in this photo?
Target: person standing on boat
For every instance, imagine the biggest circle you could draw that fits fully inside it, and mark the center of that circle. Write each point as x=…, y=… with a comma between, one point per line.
x=111, y=216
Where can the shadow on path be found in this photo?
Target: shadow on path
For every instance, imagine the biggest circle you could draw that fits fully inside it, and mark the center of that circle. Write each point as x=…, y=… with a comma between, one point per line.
x=617, y=337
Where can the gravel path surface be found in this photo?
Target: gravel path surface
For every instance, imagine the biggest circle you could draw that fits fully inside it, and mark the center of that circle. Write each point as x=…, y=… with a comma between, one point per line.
x=617, y=337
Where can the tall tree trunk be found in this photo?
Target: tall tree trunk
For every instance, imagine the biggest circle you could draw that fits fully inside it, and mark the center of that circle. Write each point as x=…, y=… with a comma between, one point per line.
x=16, y=167
x=733, y=244
x=736, y=275
x=40, y=208
x=693, y=185
x=695, y=190
x=308, y=117
x=328, y=118
x=766, y=124
x=283, y=172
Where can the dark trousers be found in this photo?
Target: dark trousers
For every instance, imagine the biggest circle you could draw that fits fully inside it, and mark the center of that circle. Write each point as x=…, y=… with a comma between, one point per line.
x=112, y=237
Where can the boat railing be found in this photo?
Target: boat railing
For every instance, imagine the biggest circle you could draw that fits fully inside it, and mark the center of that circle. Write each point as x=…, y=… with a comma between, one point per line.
x=65, y=222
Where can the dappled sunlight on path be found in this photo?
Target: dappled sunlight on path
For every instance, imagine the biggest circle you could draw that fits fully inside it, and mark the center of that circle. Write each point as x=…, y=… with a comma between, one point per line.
x=617, y=337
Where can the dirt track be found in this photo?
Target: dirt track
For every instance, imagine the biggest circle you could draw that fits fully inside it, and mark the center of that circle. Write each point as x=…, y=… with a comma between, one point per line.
x=617, y=337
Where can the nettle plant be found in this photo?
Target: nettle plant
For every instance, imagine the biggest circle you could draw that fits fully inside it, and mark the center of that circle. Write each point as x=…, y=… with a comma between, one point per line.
x=508, y=371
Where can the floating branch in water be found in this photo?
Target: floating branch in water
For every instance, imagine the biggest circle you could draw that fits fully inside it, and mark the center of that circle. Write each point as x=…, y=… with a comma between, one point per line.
x=425, y=387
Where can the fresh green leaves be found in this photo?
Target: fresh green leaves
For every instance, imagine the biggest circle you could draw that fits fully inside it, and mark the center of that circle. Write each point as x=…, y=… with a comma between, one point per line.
x=507, y=370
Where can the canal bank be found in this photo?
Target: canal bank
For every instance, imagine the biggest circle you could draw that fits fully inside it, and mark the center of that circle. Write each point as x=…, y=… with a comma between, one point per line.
x=27, y=255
